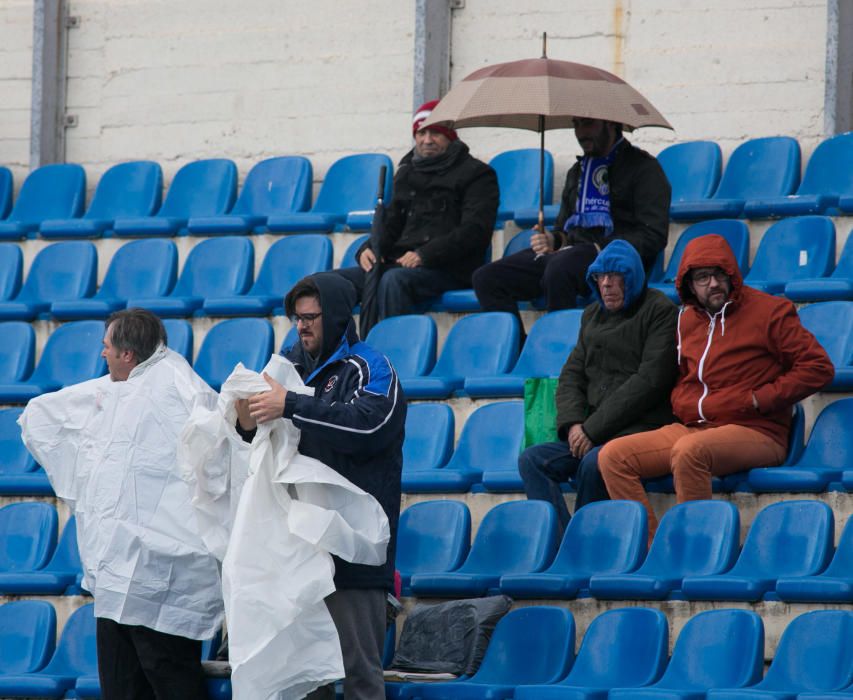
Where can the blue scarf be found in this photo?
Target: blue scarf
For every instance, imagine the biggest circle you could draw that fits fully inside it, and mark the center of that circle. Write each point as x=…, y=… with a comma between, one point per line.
x=592, y=207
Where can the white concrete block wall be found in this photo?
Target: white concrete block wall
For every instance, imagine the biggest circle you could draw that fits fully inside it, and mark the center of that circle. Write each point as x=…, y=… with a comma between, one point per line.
x=16, y=60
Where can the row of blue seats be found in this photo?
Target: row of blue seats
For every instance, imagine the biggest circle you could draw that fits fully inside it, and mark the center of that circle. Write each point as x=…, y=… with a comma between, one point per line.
x=719, y=654
x=787, y=555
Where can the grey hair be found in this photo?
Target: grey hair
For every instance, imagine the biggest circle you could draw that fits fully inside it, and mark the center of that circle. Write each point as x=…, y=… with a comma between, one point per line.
x=137, y=330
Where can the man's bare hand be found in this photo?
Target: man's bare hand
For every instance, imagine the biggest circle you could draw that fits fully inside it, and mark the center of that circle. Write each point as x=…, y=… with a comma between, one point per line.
x=410, y=259
x=367, y=260
x=268, y=405
x=243, y=416
x=579, y=443
x=542, y=242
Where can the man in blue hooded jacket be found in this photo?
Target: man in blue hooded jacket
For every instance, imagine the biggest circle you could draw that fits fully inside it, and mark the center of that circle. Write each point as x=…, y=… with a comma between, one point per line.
x=616, y=381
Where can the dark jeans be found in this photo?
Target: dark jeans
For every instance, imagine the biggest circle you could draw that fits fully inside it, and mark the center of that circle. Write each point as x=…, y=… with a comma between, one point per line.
x=138, y=663
x=544, y=467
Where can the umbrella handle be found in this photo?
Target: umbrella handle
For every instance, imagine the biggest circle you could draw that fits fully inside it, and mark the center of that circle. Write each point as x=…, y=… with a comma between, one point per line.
x=380, y=192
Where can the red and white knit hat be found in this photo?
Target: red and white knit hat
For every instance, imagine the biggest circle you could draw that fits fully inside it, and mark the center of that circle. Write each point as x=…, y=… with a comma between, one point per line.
x=422, y=113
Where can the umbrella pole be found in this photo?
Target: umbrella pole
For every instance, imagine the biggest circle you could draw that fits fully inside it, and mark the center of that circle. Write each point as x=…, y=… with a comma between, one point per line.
x=541, y=172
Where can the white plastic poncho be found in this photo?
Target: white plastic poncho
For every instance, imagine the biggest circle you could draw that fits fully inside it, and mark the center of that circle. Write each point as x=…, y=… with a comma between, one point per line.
x=109, y=449
x=275, y=517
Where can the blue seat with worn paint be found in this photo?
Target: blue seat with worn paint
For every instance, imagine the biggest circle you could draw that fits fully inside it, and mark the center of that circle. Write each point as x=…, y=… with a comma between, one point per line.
x=428, y=443
x=828, y=177
x=408, y=341
x=831, y=322
x=432, y=537
x=27, y=536
x=27, y=636
x=518, y=180
x=11, y=270
x=716, y=649
x=518, y=537
x=7, y=188
x=179, y=337
x=608, y=537
x=59, y=575
x=801, y=247
x=349, y=186
x=63, y=271
x=17, y=351
x=19, y=473
x=200, y=188
x=762, y=167
x=814, y=654
x=483, y=344
x=274, y=186
x=144, y=268
x=286, y=262
x=72, y=354
x=215, y=268
x=837, y=287
x=693, y=169
x=56, y=191
x=790, y=538
x=693, y=538
x=246, y=340
x=125, y=190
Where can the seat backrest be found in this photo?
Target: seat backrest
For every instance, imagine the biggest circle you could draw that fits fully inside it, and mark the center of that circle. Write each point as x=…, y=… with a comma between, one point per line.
x=763, y=167
x=529, y=645
x=7, y=187
x=429, y=434
x=350, y=183
x=842, y=561
x=27, y=635
x=143, y=268
x=735, y=232
x=518, y=178
x=17, y=351
x=67, y=554
x=717, y=649
x=289, y=260
x=831, y=442
x=491, y=438
x=694, y=539
x=608, y=537
x=276, y=186
x=795, y=248
x=433, y=536
x=27, y=536
x=349, y=256
x=55, y=191
x=626, y=647
x=14, y=457
x=179, y=337
x=814, y=653
x=246, y=340
x=844, y=268
x=828, y=170
x=128, y=189
x=831, y=322
x=11, y=270
x=514, y=537
x=217, y=267
x=76, y=654
x=72, y=354
x=479, y=345
x=549, y=343
x=62, y=272
x=520, y=241
x=201, y=188
x=692, y=168
x=790, y=538
x=408, y=341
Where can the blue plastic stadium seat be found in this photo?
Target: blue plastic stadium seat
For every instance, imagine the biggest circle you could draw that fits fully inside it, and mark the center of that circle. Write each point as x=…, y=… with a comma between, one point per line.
x=545, y=351
x=716, y=649
x=286, y=262
x=273, y=186
x=58, y=577
x=17, y=351
x=27, y=636
x=50, y=192
x=736, y=233
x=429, y=439
x=143, y=268
x=19, y=473
x=828, y=452
x=349, y=186
x=693, y=169
x=482, y=344
x=246, y=340
x=831, y=322
x=764, y=167
x=200, y=188
x=179, y=337
x=60, y=272
x=837, y=287
x=602, y=538
x=7, y=187
x=527, y=217
x=215, y=268
x=791, y=538
x=432, y=537
x=408, y=341
x=27, y=536
x=534, y=645
x=801, y=247
x=693, y=538
x=75, y=656
x=518, y=180
x=72, y=354
x=11, y=270
x=518, y=537
x=349, y=256
x=125, y=190
x=828, y=176
x=814, y=654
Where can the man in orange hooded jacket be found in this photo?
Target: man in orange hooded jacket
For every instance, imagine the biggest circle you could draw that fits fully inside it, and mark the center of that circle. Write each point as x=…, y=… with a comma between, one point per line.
x=744, y=359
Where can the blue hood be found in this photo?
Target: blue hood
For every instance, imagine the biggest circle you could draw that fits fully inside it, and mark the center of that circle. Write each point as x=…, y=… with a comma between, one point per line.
x=619, y=256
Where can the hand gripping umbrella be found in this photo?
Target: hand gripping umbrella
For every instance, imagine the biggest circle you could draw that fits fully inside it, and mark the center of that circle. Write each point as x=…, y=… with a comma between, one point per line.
x=369, y=313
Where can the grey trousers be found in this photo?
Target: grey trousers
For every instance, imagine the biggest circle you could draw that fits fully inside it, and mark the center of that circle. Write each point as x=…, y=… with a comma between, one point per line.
x=359, y=616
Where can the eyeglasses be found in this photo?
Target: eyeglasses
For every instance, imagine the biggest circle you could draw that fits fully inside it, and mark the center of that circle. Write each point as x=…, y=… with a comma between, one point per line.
x=703, y=278
x=601, y=276
x=306, y=319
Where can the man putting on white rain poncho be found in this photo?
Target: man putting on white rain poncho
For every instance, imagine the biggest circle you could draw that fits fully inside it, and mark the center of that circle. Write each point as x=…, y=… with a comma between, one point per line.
x=109, y=448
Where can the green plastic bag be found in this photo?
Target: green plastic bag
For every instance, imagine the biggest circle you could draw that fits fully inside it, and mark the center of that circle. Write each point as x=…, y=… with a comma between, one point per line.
x=540, y=410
